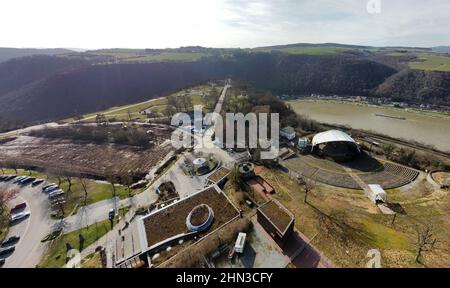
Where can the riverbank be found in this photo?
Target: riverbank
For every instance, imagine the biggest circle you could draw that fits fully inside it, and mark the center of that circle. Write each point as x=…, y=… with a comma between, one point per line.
x=429, y=128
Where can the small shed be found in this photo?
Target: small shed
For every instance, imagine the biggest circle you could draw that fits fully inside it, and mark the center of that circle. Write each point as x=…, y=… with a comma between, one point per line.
x=240, y=243
x=377, y=194
x=288, y=133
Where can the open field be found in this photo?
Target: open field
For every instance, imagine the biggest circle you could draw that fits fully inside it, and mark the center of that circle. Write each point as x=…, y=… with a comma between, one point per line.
x=306, y=50
x=136, y=55
x=431, y=62
x=95, y=160
x=346, y=224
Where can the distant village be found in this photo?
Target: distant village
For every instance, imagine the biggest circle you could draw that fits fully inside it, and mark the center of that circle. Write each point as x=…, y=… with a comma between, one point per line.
x=368, y=101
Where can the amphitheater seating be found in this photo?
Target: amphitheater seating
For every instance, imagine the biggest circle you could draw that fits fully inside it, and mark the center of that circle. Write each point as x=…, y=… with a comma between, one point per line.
x=389, y=175
x=392, y=176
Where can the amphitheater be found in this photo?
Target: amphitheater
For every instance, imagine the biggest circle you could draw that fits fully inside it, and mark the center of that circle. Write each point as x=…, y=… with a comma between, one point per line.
x=368, y=169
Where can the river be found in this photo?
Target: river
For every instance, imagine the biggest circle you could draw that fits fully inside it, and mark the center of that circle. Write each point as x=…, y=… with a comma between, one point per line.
x=424, y=127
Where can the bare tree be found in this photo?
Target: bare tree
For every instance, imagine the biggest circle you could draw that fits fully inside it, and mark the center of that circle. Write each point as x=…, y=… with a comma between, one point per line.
x=425, y=240
x=308, y=185
x=112, y=179
x=69, y=181
x=6, y=194
x=128, y=181
x=129, y=115
x=83, y=183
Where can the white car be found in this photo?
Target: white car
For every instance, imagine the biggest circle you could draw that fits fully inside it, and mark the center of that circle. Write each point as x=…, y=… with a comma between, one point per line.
x=19, y=216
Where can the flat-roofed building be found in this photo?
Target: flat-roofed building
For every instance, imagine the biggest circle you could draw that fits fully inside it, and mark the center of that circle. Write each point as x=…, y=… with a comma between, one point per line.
x=276, y=220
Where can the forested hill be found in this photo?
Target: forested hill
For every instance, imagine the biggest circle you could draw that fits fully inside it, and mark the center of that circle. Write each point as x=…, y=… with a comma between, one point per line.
x=42, y=88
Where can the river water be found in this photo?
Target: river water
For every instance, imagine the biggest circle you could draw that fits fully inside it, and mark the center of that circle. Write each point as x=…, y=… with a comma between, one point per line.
x=428, y=128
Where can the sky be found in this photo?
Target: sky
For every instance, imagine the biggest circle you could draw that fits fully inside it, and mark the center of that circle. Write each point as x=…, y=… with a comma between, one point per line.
x=93, y=24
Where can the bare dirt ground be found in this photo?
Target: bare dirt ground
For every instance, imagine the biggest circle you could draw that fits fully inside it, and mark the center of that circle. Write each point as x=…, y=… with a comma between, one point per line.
x=97, y=160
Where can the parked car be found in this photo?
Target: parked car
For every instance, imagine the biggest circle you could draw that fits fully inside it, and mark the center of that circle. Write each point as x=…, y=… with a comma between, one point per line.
x=37, y=182
x=27, y=180
x=111, y=214
x=7, y=250
x=50, y=188
x=46, y=186
x=55, y=194
x=9, y=178
x=10, y=241
x=21, y=215
x=18, y=179
x=19, y=207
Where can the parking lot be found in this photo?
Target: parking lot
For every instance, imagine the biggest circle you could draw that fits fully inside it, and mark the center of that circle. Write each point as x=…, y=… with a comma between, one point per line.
x=31, y=228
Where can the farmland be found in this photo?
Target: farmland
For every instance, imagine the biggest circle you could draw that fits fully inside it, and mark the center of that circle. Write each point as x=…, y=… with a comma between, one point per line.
x=431, y=62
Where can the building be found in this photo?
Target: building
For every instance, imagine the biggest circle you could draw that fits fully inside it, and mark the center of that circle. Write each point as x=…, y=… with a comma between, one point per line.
x=174, y=223
x=377, y=194
x=335, y=144
x=288, y=133
x=240, y=243
x=276, y=220
x=302, y=143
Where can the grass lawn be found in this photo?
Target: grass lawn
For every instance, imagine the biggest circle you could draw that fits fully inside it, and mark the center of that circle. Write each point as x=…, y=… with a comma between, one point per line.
x=92, y=261
x=56, y=254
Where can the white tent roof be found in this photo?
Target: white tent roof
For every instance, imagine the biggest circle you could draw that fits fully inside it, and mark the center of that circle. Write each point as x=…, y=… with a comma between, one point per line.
x=331, y=136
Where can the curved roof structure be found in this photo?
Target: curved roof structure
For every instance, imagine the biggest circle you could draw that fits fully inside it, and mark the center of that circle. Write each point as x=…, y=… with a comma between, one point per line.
x=331, y=136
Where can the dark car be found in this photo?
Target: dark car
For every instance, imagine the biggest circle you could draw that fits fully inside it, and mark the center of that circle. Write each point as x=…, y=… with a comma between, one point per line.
x=2, y=262
x=9, y=178
x=27, y=180
x=37, y=182
x=19, y=207
x=7, y=251
x=10, y=241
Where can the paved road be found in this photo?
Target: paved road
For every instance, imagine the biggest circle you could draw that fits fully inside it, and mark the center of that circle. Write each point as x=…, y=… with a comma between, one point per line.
x=31, y=230
x=91, y=214
x=28, y=129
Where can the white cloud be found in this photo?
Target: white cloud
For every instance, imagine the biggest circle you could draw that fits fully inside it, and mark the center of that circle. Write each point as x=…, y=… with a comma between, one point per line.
x=219, y=23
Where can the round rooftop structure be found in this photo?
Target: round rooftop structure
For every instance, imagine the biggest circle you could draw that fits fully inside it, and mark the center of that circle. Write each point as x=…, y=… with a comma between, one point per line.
x=200, y=218
x=246, y=169
x=199, y=162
